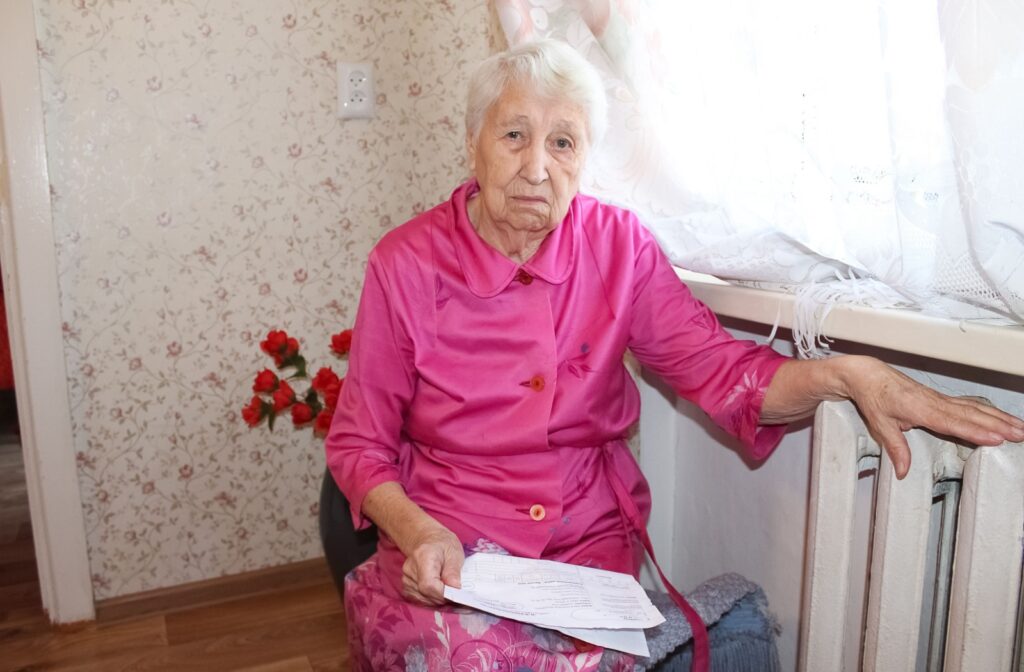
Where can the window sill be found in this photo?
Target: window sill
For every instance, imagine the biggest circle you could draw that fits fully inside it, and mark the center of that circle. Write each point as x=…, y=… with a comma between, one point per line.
x=997, y=348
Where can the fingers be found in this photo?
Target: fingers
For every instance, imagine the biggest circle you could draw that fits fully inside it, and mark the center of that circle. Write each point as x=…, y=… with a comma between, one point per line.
x=410, y=588
x=430, y=566
x=974, y=421
x=1007, y=427
x=421, y=580
x=451, y=574
x=896, y=447
x=432, y=587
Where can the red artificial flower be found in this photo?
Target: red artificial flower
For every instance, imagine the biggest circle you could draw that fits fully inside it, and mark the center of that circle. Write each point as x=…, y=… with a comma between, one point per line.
x=291, y=348
x=280, y=346
x=266, y=381
x=301, y=413
x=323, y=422
x=341, y=342
x=276, y=341
x=332, y=392
x=324, y=379
x=283, y=397
x=253, y=413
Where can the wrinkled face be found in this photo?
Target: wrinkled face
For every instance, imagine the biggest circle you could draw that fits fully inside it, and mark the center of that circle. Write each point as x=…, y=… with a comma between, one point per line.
x=527, y=158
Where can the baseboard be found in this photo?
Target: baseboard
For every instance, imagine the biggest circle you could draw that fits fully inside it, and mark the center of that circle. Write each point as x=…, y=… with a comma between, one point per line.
x=191, y=595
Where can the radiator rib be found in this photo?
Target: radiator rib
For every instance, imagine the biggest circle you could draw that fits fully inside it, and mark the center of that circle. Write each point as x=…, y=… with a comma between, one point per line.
x=899, y=555
x=839, y=446
x=987, y=562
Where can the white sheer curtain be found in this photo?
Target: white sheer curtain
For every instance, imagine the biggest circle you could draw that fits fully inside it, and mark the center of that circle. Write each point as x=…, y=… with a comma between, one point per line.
x=850, y=151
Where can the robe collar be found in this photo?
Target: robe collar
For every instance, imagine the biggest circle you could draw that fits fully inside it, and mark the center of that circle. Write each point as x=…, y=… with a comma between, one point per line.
x=488, y=271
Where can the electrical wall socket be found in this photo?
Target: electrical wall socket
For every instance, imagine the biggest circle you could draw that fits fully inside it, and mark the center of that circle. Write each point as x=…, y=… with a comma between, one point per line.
x=355, y=91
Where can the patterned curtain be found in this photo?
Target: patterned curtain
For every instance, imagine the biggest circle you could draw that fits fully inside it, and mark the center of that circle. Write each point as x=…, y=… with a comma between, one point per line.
x=868, y=152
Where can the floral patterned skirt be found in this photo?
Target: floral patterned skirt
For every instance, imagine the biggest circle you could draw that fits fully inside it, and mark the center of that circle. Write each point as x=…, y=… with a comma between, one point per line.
x=386, y=634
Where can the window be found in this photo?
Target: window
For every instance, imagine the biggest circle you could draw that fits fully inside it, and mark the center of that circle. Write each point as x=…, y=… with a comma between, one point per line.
x=864, y=152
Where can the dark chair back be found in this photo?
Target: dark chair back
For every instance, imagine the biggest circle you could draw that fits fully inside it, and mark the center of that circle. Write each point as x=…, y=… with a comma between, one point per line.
x=344, y=546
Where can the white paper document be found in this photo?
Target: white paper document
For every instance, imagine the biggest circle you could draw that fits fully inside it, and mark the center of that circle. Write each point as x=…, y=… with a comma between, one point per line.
x=628, y=640
x=586, y=603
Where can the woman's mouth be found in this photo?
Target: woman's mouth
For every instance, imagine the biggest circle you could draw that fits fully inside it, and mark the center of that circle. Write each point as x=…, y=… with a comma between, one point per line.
x=531, y=199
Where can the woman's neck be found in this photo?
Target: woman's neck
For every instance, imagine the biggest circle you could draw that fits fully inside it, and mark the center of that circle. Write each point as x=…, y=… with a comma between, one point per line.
x=519, y=246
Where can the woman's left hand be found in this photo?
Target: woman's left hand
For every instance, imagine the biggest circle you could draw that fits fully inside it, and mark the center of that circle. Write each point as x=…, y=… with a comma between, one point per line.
x=890, y=402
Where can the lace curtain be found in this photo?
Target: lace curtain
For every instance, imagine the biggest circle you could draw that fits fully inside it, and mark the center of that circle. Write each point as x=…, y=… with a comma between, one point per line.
x=868, y=152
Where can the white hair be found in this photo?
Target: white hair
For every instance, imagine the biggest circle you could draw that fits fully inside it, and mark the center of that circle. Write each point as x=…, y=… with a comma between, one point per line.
x=551, y=68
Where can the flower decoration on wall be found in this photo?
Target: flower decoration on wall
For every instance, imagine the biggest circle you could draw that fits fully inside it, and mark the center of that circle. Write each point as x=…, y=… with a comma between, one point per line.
x=274, y=394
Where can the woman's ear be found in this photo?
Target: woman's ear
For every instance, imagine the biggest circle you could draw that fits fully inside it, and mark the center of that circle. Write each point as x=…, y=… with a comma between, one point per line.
x=471, y=152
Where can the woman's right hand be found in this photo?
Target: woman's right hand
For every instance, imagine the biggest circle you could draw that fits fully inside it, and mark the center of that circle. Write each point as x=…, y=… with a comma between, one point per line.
x=434, y=561
x=433, y=554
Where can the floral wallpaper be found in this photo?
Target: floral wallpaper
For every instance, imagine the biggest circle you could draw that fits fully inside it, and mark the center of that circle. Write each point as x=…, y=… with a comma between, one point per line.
x=204, y=192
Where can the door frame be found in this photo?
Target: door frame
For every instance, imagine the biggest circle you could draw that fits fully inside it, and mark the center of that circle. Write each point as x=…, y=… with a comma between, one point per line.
x=28, y=257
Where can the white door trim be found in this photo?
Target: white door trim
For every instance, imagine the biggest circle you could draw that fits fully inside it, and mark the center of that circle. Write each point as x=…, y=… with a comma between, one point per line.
x=28, y=256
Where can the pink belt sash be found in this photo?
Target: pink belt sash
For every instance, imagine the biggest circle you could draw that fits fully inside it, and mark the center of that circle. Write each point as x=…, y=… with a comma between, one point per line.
x=631, y=514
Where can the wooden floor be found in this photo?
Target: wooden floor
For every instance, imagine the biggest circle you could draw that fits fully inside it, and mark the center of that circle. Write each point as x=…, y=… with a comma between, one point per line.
x=287, y=630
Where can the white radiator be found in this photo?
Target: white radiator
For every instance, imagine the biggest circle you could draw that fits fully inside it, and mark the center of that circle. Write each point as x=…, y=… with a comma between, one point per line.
x=978, y=630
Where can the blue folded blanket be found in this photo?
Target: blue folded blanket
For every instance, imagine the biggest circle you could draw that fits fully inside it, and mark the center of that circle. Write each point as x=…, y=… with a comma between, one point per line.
x=741, y=631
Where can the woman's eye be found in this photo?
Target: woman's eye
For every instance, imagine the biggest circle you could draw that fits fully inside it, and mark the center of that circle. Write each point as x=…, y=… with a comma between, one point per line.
x=513, y=135
x=563, y=143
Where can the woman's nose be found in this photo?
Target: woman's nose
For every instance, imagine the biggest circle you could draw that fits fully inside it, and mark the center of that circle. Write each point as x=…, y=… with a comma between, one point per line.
x=535, y=164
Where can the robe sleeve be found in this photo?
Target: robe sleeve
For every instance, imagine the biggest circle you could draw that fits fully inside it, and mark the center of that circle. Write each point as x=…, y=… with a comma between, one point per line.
x=680, y=339
x=363, y=444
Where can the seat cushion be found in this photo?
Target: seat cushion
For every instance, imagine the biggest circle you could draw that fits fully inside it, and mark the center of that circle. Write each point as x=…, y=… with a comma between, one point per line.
x=741, y=630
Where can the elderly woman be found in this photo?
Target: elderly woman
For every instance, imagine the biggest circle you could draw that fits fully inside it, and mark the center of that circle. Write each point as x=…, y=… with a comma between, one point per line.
x=486, y=403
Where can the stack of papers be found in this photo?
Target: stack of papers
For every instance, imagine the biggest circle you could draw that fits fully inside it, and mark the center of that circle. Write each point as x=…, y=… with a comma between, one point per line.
x=604, y=608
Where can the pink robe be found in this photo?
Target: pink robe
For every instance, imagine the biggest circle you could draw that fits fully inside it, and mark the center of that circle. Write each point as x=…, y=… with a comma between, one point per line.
x=496, y=394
